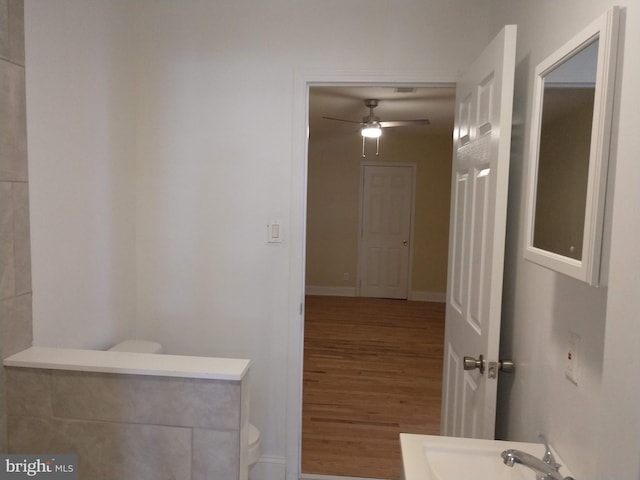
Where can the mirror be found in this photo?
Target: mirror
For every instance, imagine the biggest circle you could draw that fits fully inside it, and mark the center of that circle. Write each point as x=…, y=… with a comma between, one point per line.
x=571, y=129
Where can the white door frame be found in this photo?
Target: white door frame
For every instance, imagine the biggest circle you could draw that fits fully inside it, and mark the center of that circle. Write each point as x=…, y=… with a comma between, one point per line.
x=303, y=81
x=414, y=168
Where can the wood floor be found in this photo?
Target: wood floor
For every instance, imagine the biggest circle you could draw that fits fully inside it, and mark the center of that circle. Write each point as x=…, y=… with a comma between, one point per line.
x=372, y=369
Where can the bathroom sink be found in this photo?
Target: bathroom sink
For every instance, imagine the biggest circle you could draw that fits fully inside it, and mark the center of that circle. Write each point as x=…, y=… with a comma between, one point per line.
x=427, y=457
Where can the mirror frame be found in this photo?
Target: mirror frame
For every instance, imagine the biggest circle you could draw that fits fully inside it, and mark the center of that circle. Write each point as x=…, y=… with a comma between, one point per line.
x=587, y=269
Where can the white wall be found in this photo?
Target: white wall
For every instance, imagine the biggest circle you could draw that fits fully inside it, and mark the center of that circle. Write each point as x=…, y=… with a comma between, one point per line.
x=595, y=425
x=81, y=168
x=196, y=74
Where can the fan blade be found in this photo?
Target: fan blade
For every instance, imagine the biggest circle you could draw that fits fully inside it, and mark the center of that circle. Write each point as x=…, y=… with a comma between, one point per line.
x=343, y=120
x=405, y=123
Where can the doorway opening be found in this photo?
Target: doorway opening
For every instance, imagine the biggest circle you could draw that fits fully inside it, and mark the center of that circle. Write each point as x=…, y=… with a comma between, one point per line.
x=333, y=243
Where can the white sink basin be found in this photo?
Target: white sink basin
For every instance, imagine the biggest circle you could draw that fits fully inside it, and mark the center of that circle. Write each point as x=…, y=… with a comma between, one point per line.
x=427, y=457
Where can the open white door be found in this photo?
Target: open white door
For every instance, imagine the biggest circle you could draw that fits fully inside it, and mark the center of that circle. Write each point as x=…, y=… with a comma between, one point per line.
x=482, y=139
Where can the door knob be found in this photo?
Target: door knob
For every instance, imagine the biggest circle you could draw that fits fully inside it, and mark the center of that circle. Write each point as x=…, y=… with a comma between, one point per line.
x=405, y=243
x=506, y=366
x=470, y=363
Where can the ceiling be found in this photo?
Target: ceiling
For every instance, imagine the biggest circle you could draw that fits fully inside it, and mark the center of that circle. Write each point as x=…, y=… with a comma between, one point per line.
x=396, y=103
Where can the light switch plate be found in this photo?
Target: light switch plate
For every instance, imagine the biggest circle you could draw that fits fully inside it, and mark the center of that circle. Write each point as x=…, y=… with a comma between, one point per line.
x=274, y=232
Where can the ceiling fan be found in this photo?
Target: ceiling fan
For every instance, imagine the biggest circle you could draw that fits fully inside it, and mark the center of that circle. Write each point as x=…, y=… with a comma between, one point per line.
x=371, y=126
x=372, y=121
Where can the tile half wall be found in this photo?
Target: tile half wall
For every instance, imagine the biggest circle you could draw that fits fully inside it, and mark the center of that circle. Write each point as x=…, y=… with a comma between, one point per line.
x=129, y=426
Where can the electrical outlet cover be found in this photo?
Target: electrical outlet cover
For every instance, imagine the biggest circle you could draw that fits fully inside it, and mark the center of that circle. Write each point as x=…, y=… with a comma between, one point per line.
x=573, y=357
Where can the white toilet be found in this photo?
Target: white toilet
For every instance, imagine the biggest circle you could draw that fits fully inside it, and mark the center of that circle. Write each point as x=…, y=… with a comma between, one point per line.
x=254, y=451
x=147, y=346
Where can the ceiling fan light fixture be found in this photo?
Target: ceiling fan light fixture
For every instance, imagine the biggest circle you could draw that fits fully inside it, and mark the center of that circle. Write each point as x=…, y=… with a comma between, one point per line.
x=371, y=130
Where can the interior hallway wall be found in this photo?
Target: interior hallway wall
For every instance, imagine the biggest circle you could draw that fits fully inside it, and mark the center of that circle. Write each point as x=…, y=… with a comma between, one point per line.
x=15, y=252
x=595, y=425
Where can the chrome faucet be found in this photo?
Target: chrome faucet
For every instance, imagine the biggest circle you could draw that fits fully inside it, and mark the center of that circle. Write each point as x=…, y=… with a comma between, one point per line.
x=546, y=469
x=548, y=454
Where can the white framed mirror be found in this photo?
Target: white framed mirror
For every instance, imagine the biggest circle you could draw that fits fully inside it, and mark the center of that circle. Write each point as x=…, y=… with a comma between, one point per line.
x=569, y=151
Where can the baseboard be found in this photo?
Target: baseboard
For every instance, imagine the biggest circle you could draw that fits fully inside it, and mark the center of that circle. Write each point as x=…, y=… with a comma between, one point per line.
x=312, y=476
x=269, y=468
x=416, y=296
x=330, y=291
x=440, y=297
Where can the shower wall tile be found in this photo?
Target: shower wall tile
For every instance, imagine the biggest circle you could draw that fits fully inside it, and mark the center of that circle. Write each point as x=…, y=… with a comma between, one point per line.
x=21, y=238
x=16, y=31
x=4, y=30
x=3, y=412
x=15, y=251
x=215, y=451
x=146, y=399
x=12, y=30
x=32, y=435
x=28, y=392
x=244, y=424
x=13, y=134
x=16, y=324
x=7, y=260
x=123, y=441
x=15, y=256
x=147, y=451
x=108, y=450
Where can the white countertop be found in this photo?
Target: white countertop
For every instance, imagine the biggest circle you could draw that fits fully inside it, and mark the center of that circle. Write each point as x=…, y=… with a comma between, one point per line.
x=211, y=368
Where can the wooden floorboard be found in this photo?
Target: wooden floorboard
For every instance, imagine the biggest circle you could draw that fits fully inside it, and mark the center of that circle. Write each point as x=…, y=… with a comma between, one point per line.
x=372, y=369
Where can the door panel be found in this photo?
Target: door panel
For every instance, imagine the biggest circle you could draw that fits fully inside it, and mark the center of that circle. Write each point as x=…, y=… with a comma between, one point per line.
x=477, y=258
x=387, y=203
x=469, y=406
x=482, y=132
x=456, y=273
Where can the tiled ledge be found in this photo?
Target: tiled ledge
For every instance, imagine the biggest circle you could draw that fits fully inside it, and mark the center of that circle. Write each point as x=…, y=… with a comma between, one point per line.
x=130, y=363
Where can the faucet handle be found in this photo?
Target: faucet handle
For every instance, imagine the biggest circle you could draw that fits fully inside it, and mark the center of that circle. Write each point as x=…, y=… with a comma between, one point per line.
x=548, y=457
